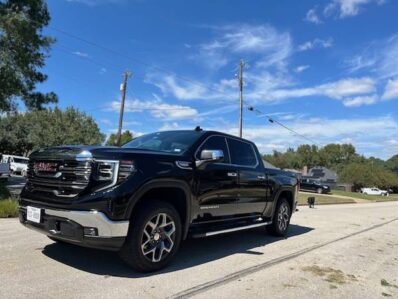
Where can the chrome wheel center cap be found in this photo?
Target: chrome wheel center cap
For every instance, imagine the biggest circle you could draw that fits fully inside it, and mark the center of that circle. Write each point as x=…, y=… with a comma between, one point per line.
x=156, y=237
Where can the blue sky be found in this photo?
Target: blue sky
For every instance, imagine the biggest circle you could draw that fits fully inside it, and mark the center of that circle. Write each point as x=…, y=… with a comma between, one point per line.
x=327, y=69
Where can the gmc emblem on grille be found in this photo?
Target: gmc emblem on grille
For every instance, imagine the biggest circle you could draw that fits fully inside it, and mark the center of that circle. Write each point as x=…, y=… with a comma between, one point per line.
x=45, y=167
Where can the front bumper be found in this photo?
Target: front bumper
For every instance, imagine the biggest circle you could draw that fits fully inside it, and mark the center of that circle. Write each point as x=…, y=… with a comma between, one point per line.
x=85, y=228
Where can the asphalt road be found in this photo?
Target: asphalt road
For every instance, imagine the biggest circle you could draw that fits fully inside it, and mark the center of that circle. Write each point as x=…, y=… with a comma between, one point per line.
x=340, y=251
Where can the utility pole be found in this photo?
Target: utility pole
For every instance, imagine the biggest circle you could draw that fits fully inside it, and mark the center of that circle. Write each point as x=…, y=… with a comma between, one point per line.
x=241, y=66
x=123, y=89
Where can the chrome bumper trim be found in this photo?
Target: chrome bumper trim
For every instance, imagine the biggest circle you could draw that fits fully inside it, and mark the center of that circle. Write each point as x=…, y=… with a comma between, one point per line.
x=106, y=227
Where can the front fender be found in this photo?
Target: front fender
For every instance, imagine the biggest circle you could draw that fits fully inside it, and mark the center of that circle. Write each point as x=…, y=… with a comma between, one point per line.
x=164, y=183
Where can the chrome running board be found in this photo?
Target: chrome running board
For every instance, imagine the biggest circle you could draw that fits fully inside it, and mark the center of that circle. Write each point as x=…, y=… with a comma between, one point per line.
x=234, y=229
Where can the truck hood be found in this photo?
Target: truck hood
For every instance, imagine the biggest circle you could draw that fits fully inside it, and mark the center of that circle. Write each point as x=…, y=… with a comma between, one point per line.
x=76, y=152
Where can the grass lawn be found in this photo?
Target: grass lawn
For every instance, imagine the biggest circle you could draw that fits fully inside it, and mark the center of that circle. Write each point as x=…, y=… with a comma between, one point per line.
x=364, y=196
x=8, y=206
x=322, y=199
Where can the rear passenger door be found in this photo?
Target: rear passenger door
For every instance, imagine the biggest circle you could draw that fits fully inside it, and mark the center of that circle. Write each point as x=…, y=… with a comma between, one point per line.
x=251, y=177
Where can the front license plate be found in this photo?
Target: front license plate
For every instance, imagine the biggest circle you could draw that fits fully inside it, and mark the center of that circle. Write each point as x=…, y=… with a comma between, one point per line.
x=33, y=214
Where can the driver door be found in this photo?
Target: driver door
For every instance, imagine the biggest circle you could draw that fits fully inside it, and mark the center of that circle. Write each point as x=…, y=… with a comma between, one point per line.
x=217, y=183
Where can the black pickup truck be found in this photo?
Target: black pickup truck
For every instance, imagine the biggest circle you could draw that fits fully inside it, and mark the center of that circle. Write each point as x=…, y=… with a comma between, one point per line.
x=144, y=198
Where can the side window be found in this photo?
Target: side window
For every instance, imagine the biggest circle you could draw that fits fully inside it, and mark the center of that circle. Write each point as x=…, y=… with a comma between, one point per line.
x=215, y=143
x=242, y=153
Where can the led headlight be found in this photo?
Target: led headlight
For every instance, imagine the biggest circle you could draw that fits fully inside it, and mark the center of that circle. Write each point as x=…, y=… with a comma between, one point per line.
x=126, y=168
x=109, y=173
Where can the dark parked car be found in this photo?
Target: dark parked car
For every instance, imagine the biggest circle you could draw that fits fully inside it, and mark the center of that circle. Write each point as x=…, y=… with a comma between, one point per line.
x=308, y=184
x=144, y=198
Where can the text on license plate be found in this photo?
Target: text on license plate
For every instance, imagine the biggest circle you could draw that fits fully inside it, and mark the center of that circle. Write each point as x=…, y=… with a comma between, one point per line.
x=33, y=214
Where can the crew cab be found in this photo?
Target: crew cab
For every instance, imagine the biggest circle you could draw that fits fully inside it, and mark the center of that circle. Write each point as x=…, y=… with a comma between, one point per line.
x=144, y=198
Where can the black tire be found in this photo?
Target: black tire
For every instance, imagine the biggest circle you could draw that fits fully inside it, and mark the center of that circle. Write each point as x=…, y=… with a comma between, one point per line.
x=276, y=228
x=319, y=191
x=132, y=251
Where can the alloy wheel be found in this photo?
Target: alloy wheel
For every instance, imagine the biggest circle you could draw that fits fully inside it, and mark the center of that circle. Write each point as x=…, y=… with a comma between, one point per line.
x=283, y=217
x=158, y=237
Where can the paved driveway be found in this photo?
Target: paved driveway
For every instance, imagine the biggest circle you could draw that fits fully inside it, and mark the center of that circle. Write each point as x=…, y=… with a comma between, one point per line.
x=341, y=251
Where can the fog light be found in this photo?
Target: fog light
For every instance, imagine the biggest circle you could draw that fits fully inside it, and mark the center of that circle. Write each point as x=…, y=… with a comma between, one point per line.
x=90, y=231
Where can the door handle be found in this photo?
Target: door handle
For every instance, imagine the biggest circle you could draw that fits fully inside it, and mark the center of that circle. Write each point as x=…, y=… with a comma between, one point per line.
x=232, y=174
x=261, y=177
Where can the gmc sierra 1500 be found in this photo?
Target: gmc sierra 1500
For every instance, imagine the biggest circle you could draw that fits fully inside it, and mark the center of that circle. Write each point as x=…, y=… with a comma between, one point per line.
x=144, y=198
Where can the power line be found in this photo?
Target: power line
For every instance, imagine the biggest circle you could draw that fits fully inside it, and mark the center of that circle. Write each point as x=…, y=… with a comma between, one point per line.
x=273, y=120
x=161, y=69
x=121, y=54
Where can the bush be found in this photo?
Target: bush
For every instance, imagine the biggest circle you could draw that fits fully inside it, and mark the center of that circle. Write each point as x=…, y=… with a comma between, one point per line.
x=8, y=208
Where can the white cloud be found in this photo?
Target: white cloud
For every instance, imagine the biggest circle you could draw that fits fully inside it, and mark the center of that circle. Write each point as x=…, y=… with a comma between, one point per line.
x=301, y=68
x=312, y=17
x=347, y=8
x=169, y=126
x=366, y=134
x=264, y=41
x=316, y=43
x=158, y=109
x=393, y=142
x=391, y=90
x=340, y=9
x=335, y=90
x=360, y=101
x=81, y=54
x=96, y=2
x=388, y=63
x=379, y=57
x=182, y=91
x=359, y=62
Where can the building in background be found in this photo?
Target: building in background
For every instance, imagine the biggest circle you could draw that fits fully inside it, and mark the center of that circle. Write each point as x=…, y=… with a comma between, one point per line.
x=323, y=174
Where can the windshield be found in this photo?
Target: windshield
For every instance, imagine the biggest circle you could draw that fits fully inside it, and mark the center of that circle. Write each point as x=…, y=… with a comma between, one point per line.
x=20, y=160
x=175, y=142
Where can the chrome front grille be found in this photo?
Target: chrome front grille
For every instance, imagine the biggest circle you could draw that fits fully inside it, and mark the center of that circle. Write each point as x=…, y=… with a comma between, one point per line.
x=63, y=179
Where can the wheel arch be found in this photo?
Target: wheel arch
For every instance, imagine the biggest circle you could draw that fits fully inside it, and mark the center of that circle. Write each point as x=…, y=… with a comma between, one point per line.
x=175, y=192
x=286, y=193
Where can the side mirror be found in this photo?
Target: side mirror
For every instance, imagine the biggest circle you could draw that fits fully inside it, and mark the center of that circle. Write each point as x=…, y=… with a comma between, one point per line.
x=209, y=156
x=213, y=155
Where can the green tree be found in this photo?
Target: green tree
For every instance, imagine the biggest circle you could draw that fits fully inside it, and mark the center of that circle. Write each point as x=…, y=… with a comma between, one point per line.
x=126, y=137
x=308, y=155
x=283, y=160
x=23, y=133
x=392, y=163
x=23, y=50
x=368, y=175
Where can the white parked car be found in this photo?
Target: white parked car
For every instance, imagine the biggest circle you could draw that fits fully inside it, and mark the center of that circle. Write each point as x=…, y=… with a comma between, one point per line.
x=17, y=164
x=374, y=191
